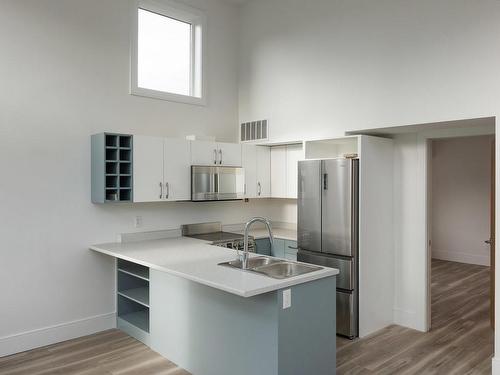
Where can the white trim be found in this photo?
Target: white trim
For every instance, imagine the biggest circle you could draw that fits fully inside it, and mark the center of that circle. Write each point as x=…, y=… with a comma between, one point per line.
x=452, y=256
x=184, y=13
x=28, y=340
x=495, y=366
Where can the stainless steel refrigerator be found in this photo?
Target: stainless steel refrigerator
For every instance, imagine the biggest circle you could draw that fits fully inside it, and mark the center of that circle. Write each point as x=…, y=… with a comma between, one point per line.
x=328, y=229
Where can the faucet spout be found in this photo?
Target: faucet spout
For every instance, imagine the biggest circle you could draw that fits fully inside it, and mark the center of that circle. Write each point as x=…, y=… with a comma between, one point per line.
x=244, y=260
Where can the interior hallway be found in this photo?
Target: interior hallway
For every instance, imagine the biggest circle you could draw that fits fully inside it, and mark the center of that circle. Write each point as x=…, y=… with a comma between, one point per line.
x=460, y=341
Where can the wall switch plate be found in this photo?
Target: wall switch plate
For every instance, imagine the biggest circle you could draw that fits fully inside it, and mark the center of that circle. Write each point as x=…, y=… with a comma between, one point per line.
x=287, y=298
x=138, y=221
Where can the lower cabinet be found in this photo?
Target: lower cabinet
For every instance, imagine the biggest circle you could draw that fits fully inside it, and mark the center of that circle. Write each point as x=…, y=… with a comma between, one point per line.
x=285, y=249
x=262, y=246
x=291, y=250
x=133, y=300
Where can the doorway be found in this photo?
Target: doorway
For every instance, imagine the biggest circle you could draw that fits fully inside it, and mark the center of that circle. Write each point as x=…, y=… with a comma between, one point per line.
x=461, y=188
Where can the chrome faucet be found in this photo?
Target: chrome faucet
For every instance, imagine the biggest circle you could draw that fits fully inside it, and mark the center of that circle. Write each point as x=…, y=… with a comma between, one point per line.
x=244, y=258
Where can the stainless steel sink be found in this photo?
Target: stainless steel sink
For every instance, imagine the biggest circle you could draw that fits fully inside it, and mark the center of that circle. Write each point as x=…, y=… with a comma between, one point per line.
x=252, y=262
x=275, y=268
x=284, y=270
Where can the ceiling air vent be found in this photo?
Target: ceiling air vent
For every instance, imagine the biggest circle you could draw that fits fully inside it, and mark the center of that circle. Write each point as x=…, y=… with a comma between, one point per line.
x=254, y=131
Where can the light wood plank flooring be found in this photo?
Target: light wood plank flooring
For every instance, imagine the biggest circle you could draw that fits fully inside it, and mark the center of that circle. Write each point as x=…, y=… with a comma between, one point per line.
x=460, y=341
x=106, y=353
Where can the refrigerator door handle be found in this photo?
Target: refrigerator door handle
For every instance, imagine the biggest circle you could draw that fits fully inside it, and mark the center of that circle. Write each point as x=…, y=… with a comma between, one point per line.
x=325, y=181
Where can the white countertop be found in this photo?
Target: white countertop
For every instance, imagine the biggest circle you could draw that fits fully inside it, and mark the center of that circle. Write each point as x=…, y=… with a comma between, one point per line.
x=197, y=261
x=285, y=234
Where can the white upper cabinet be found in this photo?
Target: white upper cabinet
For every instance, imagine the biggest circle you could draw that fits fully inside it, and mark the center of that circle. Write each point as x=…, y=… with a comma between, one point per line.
x=229, y=154
x=249, y=163
x=263, y=171
x=213, y=153
x=177, y=169
x=257, y=163
x=204, y=153
x=284, y=167
x=278, y=172
x=148, y=168
x=294, y=153
x=162, y=169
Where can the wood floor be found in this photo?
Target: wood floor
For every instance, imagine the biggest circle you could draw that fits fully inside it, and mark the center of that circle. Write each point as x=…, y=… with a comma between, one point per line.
x=105, y=353
x=460, y=341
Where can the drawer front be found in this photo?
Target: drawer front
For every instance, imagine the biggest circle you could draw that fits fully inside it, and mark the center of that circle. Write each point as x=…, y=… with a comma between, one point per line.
x=347, y=267
x=346, y=314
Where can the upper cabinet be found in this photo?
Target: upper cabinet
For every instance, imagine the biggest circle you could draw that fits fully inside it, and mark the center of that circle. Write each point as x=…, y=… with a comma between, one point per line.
x=176, y=169
x=161, y=169
x=278, y=175
x=139, y=168
x=148, y=169
x=249, y=163
x=215, y=153
x=256, y=160
x=263, y=172
x=111, y=176
x=294, y=153
x=284, y=166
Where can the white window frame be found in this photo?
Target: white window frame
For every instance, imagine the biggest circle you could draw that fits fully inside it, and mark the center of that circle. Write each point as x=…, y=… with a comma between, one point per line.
x=182, y=13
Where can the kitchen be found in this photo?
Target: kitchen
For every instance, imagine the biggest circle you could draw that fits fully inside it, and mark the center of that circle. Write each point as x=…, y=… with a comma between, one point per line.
x=68, y=78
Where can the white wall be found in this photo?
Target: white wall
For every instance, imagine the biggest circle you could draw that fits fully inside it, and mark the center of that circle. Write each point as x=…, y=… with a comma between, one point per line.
x=65, y=74
x=320, y=67
x=461, y=183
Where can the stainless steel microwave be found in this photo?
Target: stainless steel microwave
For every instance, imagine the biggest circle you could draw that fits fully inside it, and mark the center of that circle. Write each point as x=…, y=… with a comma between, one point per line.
x=217, y=183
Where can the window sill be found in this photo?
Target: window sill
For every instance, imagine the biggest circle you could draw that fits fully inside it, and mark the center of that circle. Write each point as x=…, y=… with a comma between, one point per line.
x=185, y=99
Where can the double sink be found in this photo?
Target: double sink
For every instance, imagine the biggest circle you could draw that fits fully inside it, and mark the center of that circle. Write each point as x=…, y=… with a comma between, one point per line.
x=275, y=268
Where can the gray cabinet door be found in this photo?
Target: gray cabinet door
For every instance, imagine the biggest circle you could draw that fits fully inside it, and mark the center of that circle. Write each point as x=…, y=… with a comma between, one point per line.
x=337, y=209
x=291, y=250
x=263, y=246
x=278, y=249
x=309, y=205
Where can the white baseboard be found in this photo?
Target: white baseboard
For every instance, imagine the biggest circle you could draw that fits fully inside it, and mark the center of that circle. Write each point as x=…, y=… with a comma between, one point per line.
x=495, y=366
x=36, y=338
x=482, y=260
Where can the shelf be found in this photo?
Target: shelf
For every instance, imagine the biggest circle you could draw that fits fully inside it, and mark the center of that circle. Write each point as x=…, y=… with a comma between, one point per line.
x=135, y=270
x=138, y=295
x=139, y=319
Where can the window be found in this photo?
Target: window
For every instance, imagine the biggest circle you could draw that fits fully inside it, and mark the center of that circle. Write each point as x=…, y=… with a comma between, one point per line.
x=166, y=52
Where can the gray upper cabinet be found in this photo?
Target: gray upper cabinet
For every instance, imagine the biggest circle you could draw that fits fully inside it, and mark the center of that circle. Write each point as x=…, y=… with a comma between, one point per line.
x=112, y=164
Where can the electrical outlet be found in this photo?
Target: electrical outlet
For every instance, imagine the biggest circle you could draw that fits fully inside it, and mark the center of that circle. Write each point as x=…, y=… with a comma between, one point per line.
x=138, y=221
x=287, y=298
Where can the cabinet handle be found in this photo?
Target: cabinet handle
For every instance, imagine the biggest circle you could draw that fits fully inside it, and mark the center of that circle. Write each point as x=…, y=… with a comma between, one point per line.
x=293, y=247
x=215, y=156
x=220, y=153
x=167, y=187
x=259, y=189
x=161, y=190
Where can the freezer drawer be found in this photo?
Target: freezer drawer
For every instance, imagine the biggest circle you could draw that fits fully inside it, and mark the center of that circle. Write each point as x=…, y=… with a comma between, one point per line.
x=346, y=279
x=347, y=324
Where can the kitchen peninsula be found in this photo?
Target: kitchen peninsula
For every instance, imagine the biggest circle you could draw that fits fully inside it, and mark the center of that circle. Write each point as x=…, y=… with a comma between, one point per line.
x=210, y=319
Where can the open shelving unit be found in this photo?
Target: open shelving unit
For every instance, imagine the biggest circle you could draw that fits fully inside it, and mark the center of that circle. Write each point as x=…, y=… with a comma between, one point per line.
x=133, y=299
x=112, y=168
